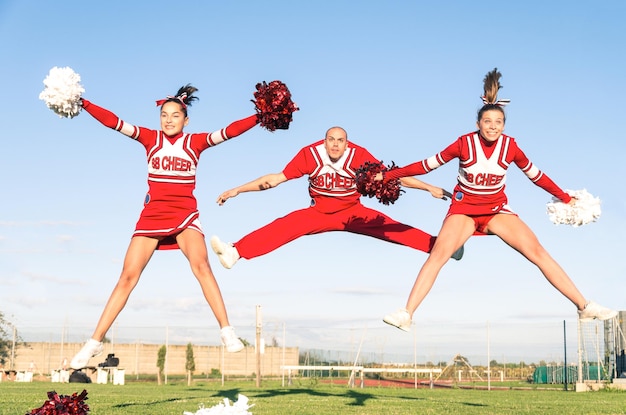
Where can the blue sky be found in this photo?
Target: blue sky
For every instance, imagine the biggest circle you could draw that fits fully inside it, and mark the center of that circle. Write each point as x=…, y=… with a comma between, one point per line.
x=403, y=78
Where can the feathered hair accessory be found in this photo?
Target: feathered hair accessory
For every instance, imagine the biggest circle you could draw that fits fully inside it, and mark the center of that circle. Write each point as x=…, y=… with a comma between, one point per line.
x=273, y=105
x=62, y=92
x=491, y=86
x=385, y=191
x=585, y=210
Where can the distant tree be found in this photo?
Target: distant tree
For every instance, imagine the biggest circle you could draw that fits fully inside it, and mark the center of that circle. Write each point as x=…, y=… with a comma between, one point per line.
x=190, y=363
x=5, y=341
x=215, y=374
x=7, y=336
x=161, y=363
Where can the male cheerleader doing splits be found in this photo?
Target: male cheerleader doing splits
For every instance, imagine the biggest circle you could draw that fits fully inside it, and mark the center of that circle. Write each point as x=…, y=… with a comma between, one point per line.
x=331, y=164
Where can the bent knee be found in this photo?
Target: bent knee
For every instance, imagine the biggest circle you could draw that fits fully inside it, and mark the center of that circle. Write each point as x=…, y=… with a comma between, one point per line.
x=129, y=278
x=200, y=268
x=537, y=254
x=440, y=255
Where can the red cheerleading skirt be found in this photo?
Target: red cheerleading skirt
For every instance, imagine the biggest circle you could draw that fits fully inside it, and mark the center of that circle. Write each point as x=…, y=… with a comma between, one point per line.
x=165, y=219
x=480, y=208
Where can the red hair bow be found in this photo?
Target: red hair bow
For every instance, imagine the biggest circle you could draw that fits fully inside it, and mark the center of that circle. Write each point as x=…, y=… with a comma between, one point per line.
x=181, y=99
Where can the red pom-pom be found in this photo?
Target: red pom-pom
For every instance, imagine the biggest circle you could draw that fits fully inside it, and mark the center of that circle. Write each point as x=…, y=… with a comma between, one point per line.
x=63, y=405
x=385, y=191
x=273, y=105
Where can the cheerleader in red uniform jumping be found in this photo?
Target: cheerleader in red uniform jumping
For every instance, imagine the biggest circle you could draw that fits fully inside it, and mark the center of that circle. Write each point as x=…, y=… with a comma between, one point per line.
x=170, y=218
x=479, y=205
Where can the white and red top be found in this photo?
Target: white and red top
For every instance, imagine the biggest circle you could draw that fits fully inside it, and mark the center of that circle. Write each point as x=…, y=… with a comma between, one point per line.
x=482, y=173
x=332, y=185
x=170, y=205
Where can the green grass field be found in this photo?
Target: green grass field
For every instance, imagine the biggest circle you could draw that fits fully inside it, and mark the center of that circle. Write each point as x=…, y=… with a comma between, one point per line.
x=310, y=397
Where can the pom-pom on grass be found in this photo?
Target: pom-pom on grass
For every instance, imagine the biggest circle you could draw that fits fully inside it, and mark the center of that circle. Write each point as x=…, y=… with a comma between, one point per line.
x=63, y=405
x=237, y=408
x=385, y=191
x=62, y=92
x=273, y=105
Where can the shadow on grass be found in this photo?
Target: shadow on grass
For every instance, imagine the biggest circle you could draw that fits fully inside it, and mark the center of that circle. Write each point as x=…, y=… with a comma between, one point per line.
x=357, y=398
x=129, y=404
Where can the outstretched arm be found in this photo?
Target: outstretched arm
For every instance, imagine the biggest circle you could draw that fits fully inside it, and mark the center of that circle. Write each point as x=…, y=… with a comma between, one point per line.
x=539, y=178
x=262, y=183
x=413, y=183
x=108, y=119
x=234, y=129
x=425, y=166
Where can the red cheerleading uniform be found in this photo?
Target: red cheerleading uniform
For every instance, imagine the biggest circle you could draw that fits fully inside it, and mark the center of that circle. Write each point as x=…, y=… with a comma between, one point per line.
x=482, y=175
x=170, y=205
x=335, y=206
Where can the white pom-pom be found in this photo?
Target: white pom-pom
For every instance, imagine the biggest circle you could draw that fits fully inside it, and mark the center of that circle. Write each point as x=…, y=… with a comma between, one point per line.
x=238, y=408
x=584, y=211
x=62, y=92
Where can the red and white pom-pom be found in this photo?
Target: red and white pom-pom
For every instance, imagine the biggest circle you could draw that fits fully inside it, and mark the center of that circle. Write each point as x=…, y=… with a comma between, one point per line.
x=62, y=92
x=237, y=408
x=274, y=105
x=584, y=211
x=63, y=405
x=385, y=191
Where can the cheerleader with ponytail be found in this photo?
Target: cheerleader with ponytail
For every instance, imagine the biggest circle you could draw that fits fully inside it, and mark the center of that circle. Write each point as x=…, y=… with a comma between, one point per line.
x=479, y=205
x=170, y=217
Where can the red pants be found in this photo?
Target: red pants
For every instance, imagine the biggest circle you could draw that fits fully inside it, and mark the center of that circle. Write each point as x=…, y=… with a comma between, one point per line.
x=309, y=221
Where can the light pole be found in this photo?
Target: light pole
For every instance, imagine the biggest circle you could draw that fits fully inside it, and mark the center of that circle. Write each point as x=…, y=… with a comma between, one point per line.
x=13, y=347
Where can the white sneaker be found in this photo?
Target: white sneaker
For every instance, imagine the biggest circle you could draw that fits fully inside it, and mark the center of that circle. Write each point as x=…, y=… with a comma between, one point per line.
x=91, y=349
x=458, y=254
x=594, y=310
x=400, y=319
x=226, y=253
x=230, y=340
